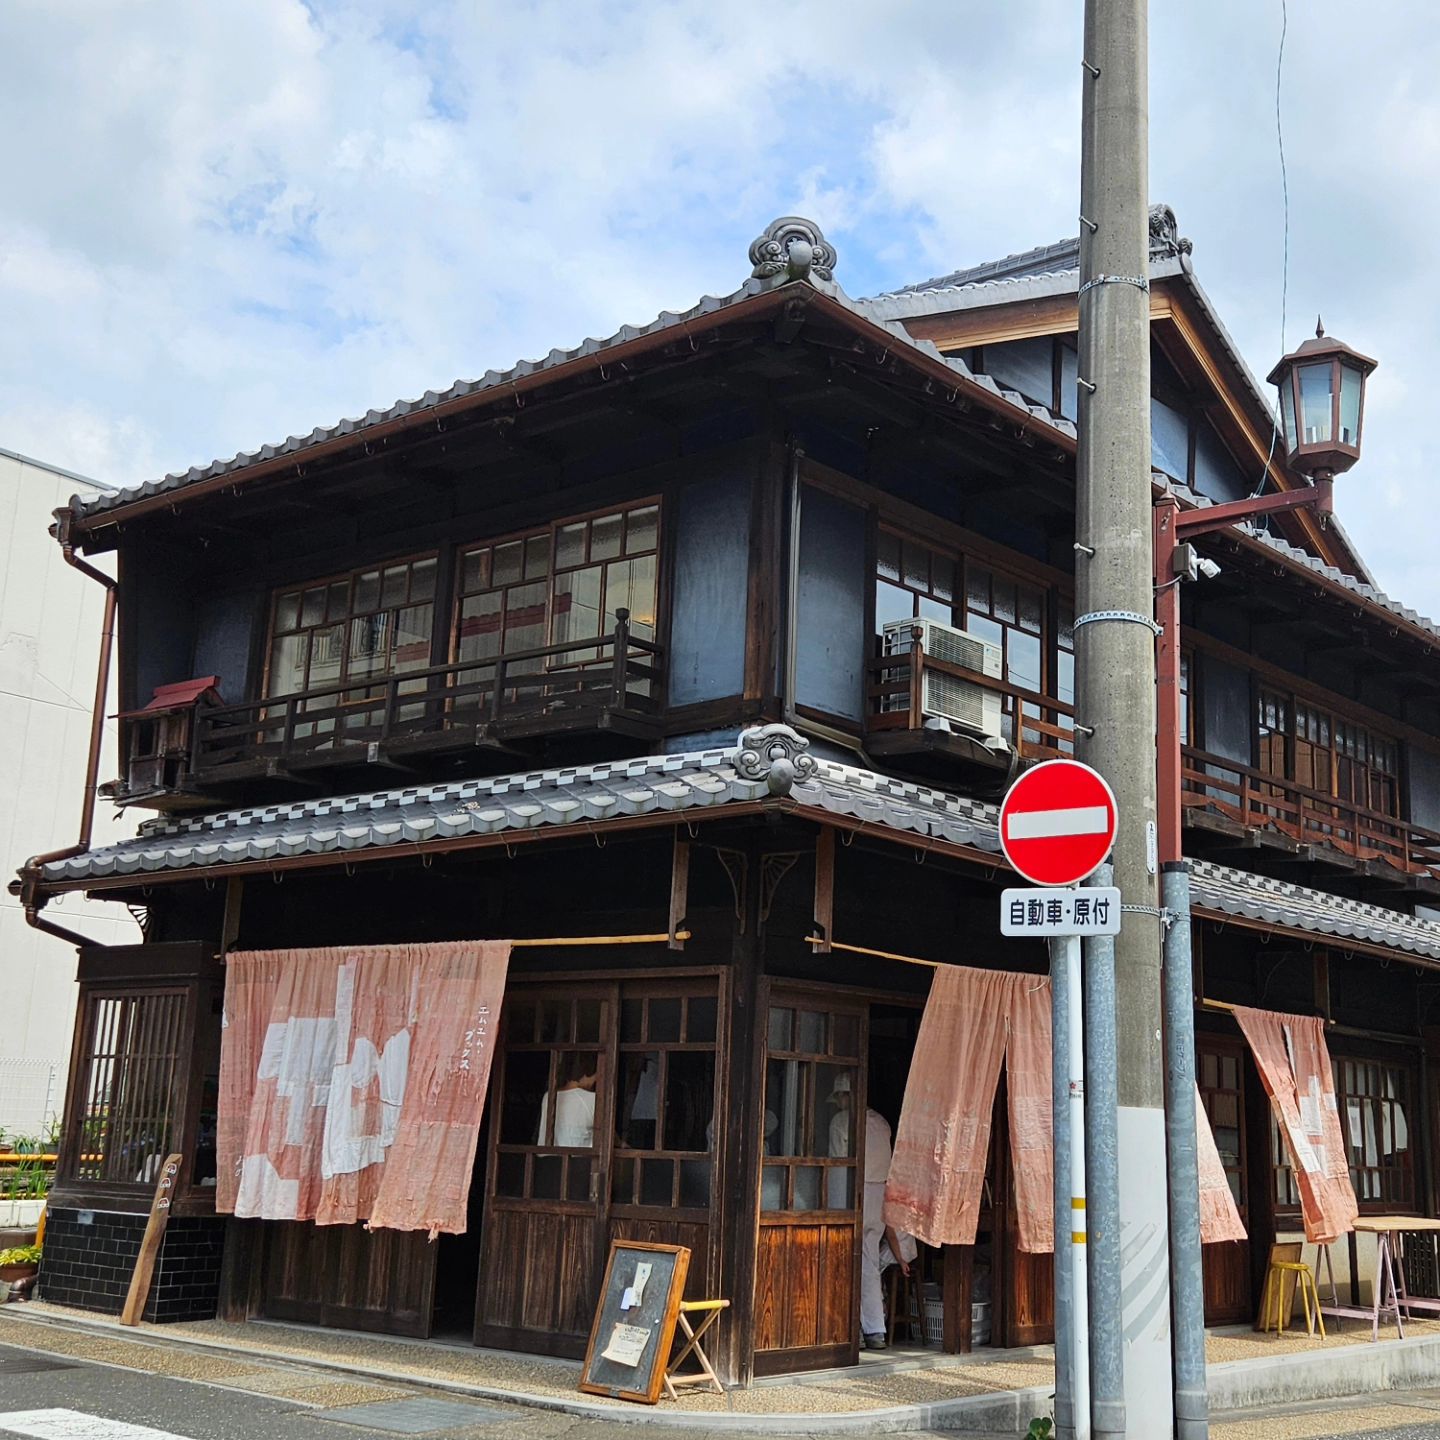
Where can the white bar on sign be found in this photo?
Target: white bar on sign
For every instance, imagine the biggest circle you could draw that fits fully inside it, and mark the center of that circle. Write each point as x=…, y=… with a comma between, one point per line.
x=1046, y=824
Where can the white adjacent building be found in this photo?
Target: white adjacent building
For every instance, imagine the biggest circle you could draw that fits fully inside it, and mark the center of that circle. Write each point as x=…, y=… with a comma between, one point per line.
x=50, y=619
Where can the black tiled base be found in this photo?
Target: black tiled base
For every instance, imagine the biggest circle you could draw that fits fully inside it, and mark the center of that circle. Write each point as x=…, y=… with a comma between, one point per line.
x=89, y=1256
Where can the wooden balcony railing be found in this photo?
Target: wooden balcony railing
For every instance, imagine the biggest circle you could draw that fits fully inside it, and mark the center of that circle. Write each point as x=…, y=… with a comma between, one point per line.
x=1040, y=727
x=1257, y=801
x=567, y=686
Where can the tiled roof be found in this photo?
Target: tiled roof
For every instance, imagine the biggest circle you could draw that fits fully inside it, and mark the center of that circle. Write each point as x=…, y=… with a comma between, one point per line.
x=770, y=761
x=895, y=335
x=1221, y=891
x=576, y=795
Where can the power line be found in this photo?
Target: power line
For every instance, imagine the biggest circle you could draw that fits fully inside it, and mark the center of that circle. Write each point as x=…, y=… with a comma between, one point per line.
x=1285, y=245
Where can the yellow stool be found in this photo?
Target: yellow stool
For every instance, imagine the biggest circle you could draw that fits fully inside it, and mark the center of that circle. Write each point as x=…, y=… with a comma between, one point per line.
x=707, y=1377
x=1279, y=1297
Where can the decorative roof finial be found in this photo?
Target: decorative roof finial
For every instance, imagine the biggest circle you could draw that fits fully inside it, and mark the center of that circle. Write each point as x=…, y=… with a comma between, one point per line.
x=794, y=247
x=1165, y=237
x=1319, y=328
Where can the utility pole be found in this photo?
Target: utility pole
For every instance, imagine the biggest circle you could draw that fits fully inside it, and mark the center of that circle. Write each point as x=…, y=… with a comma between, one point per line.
x=1115, y=665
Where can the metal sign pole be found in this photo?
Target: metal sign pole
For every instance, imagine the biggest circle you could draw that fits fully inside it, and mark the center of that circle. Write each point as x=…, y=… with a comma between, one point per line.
x=1069, y=946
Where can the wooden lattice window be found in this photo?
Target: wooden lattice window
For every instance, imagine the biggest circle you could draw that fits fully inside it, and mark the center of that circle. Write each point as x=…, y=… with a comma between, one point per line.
x=129, y=1084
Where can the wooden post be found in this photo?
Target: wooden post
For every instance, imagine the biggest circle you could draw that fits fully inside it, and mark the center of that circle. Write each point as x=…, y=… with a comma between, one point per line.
x=150, y=1242
x=825, y=889
x=679, y=891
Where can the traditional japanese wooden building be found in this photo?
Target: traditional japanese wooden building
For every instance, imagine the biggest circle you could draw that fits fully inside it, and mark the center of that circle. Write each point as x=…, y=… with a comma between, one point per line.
x=719, y=637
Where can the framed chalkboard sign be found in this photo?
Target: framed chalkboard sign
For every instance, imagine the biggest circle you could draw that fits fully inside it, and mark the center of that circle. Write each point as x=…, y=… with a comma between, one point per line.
x=635, y=1321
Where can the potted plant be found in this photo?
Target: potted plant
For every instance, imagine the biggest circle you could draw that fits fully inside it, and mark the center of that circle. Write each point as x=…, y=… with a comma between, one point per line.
x=19, y=1262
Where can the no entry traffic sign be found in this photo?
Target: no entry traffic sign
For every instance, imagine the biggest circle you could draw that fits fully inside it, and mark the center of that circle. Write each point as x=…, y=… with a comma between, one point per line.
x=1057, y=823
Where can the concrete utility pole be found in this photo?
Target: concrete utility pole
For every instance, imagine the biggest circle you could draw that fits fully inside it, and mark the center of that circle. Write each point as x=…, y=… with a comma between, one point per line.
x=1115, y=663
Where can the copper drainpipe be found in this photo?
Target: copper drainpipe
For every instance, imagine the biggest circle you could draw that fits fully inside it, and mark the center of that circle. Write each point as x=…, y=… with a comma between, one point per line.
x=30, y=871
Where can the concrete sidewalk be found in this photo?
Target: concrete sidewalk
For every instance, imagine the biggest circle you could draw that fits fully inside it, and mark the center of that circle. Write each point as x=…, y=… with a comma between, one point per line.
x=907, y=1390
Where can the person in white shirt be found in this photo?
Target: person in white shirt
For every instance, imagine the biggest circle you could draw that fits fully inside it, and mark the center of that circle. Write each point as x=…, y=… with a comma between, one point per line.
x=574, y=1103
x=897, y=1249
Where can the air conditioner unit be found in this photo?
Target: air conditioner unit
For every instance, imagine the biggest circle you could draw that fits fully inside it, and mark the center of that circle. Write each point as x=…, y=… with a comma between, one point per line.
x=948, y=697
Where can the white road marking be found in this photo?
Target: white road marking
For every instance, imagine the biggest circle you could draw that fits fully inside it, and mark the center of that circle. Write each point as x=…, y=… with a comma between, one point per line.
x=77, y=1425
x=1046, y=824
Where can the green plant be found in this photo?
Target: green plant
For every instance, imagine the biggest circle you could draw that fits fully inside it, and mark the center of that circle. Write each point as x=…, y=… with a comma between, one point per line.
x=20, y=1255
x=1041, y=1428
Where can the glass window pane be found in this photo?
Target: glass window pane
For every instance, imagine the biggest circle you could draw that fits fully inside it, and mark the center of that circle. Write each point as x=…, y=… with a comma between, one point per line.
x=412, y=637
x=480, y=627
x=642, y=529
x=834, y=1112
x=369, y=644
x=537, y=557
x=840, y=1188
x=915, y=565
x=545, y=1176
x=287, y=610
x=588, y=1014
x=632, y=1020
x=510, y=1174
x=1351, y=383
x=622, y=1180
x=475, y=573
x=422, y=580
x=507, y=563
x=977, y=588
x=393, y=585
x=807, y=1187
x=639, y=1099
x=577, y=605
x=1315, y=402
x=689, y=1099
x=811, y=1032
x=1022, y=660
x=327, y=649
x=657, y=1182
x=570, y=545
x=606, y=534
x=312, y=611
x=576, y=1077
x=942, y=577
x=844, y=1034
x=887, y=556
x=700, y=1016
x=783, y=1099
x=664, y=1022
x=781, y=1020
x=1032, y=604
x=772, y=1187
x=367, y=592
x=695, y=1184
x=892, y=603
x=524, y=617
x=1287, y=412
x=556, y=1018
x=935, y=609
x=577, y=1178
x=519, y=1021
x=1003, y=592
x=632, y=585
x=337, y=600
x=527, y=1079
x=287, y=664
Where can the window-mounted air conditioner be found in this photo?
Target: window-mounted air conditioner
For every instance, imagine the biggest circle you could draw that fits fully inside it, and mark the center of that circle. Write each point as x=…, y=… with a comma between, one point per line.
x=947, y=697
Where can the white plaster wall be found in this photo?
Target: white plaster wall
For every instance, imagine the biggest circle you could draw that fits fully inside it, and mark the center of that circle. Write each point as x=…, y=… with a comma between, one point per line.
x=50, y=617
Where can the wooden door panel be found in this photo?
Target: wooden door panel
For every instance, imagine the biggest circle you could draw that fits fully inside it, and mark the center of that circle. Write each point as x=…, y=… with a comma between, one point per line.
x=1227, y=1282
x=804, y=1296
x=540, y=1292
x=1032, y=1318
x=350, y=1278
x=700, y=1283
x=835, y=1307
x=770, y=1299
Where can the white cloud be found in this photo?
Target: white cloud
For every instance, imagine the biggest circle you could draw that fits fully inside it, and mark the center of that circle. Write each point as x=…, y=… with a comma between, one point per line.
x=225, y=223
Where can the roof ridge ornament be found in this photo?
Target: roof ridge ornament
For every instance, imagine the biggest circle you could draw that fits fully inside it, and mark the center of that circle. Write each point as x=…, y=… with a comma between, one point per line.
x=774, y=754
x=794, y=247
x=1166, y=240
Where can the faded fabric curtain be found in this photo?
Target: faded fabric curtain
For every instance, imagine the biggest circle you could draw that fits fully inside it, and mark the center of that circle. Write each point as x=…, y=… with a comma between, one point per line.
x=352, y=1082
x=973, y=1020
x=1219, y=1217
x=1294, y=1064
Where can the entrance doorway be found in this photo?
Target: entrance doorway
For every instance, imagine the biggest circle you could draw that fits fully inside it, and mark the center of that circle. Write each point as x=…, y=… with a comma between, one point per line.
x=603, y=1127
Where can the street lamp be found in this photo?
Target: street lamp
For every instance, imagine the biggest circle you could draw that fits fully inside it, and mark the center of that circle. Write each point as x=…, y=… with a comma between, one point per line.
x=1322, y=404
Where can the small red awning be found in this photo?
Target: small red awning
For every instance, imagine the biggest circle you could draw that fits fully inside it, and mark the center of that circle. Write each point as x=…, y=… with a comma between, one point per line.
x=179, y=696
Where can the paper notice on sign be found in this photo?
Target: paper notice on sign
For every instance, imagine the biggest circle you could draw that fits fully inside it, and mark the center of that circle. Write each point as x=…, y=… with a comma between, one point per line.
x=635, y=1290
x=627, y=1345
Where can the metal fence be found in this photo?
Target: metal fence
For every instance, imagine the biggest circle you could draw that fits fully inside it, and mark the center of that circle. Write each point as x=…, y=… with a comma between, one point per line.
x=30, y=1095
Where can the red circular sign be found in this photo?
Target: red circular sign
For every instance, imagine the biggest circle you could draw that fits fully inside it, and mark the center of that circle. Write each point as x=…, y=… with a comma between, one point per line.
x=1057, y=823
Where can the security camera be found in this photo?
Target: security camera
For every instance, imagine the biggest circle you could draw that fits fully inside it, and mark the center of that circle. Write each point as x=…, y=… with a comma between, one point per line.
x=1207, y=567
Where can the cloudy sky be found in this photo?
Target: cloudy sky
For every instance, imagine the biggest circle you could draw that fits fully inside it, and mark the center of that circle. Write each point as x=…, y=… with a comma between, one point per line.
x=222, y=223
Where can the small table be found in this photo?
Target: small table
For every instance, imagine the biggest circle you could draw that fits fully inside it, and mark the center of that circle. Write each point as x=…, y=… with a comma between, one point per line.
x=1390, y=1295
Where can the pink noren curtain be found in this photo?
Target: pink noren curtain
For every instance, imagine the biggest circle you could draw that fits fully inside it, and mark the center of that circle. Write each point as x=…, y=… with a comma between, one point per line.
x=1294, y=1064
x=972, y=1021
x=352, y=1082
x=1219, y=1217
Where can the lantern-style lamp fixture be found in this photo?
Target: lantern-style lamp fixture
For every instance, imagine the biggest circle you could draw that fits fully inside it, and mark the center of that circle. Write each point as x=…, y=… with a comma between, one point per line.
x=1322, y=404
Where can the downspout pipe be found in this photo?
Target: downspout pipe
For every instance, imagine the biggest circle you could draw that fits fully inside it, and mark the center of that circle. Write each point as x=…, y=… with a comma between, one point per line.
x=30, y=899
x=1187, y=1285
x=1059, y=1105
